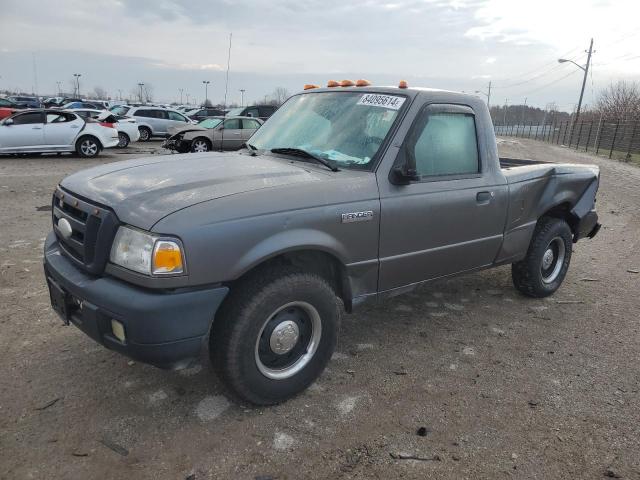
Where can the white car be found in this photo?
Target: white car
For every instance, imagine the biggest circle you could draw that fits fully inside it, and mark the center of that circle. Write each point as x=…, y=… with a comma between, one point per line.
x=46, y=131
x=127, y=127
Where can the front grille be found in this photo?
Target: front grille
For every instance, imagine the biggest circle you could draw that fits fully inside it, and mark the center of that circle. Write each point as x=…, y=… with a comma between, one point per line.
x=92, y=230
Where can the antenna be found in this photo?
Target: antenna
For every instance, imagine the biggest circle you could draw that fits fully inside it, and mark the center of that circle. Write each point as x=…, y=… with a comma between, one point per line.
x=226, y=89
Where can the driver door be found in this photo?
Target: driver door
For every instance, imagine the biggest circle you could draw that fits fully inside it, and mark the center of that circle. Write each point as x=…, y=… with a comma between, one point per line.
x=229, y=135
x=26, y=132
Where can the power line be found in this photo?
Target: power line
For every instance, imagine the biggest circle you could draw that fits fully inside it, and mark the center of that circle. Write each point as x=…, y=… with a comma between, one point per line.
x=543, y=73
x=543, y=66
x=542, y=87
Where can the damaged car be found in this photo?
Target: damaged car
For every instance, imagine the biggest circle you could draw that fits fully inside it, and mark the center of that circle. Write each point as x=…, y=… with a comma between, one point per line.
x=215, y=133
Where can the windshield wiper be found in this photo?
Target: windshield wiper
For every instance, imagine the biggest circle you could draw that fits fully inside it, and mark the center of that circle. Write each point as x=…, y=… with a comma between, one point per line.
x=299, y=152
x=253, y=148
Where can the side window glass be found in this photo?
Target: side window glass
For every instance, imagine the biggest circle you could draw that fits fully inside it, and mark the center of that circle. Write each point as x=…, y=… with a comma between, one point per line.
x=252, y=112
x=250, y=124
x=447, y=145
x=176, y=116
x=233, y=124
x=28, y=118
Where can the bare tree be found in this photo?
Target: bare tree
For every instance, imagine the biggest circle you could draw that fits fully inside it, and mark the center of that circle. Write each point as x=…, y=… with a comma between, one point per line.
x=99, y=93
x=279, y=95
x=620, y=101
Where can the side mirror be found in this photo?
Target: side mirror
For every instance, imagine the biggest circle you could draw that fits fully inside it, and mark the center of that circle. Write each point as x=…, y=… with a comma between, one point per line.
x=404, y=175
x=8, y=121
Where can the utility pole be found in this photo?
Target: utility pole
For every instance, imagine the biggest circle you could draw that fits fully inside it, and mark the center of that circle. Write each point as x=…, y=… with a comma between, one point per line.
x=120, y=94
x=141, y=85
x=181, y=90
x=585, y=69
x=59, y=84
x=506, y=103
x=242, y=90
x=523, y=108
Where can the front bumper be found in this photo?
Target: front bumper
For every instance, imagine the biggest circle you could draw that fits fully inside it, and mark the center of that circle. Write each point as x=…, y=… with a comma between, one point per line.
x=177, y=144
x=162, y=328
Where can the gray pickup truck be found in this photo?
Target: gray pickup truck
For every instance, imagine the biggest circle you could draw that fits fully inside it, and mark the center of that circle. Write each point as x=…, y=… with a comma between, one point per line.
x=346, y=195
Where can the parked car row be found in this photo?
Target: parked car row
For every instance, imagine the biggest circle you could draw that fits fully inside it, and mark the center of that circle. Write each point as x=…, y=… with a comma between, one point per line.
x=217, y=133
x=56, y=131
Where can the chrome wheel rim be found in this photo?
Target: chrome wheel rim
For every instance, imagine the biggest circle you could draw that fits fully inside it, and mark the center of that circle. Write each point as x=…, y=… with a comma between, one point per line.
x=122, y=140
x=200, y=146
x=552, y=260
x=288, y=340
x=89, y=148
x=144, y=134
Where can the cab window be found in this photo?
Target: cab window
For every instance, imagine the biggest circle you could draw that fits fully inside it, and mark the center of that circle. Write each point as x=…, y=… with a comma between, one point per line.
x=445, y=143
x=250, y=124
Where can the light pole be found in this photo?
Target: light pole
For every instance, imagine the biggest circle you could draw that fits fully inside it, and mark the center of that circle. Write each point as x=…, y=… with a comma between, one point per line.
x=77, y=75
x=523, y=108
x=120, y=94
x=206, y=93
x=506, y=105
x=242, y=90
x=585, y=69
x=487, y=94
x=59, y=84
x=181, y=90
x=141, y=85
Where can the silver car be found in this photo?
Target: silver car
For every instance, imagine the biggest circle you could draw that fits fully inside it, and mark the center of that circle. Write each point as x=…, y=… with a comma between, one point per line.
x=156, y=122
x=213, y=134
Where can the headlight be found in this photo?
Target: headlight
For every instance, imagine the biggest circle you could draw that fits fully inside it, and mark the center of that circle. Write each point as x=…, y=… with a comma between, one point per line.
x=146, y=253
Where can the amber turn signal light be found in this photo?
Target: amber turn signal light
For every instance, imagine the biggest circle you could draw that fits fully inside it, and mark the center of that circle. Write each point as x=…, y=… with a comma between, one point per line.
x=403, y=84
x=347, y=83
x=332, y=83
x=362, y=83
x=309, y=86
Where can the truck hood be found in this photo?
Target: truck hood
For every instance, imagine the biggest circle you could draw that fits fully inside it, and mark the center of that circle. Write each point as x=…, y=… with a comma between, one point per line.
x=144, y=190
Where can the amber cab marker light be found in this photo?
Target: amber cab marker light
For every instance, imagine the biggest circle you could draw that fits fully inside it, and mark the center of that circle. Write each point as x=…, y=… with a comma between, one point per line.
x=309, y=86
x=347, y=83
x=332, y=83
x=403, y=84
x=362, y=83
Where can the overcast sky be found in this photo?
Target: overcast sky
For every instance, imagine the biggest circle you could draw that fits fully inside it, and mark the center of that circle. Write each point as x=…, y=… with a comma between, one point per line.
x=451, y=44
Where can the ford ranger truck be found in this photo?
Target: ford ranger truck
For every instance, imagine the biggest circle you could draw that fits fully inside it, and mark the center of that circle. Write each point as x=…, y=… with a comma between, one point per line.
x=346, y=195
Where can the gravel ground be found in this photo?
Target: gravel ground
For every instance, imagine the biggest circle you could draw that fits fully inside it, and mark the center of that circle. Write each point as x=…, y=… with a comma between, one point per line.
x=497, y=385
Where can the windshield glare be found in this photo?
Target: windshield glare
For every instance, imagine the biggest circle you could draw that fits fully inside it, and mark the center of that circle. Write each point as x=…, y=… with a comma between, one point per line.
x=210, y=122
x=345, y=127
x=234, y=112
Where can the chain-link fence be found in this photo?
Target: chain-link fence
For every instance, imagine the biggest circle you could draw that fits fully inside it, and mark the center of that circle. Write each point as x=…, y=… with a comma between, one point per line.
x=619, y=140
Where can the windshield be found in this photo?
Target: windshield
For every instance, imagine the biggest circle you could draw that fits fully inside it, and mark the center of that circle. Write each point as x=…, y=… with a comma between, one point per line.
x=210, y=122
x=120, y=110
x=345, y=127
x=234, y=112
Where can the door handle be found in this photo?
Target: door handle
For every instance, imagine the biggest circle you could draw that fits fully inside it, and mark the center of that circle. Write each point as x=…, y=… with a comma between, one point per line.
x=484, y=197
x=74, y=126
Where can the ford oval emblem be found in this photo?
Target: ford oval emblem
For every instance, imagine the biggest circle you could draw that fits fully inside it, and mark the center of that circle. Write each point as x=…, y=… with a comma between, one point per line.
x=65, y=228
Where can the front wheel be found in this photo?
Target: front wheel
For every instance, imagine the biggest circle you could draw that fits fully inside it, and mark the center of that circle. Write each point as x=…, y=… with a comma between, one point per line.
x=275, y=334
x=200, y=145
x=542, y=271
x=88, y=147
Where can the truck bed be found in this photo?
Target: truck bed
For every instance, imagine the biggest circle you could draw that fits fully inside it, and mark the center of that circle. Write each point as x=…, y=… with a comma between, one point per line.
x=506, y=162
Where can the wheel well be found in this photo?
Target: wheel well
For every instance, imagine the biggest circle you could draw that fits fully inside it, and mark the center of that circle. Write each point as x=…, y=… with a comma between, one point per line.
x=563, y=212
x=202, y=138
x=314, y=261
x=120, y=132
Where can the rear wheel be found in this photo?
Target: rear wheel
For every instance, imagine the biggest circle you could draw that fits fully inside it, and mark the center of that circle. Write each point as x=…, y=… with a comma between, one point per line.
x=145, y=134
x=123, y=140
x=200, y=144
x=542, y=271
x=275, y=334
x=88, y=146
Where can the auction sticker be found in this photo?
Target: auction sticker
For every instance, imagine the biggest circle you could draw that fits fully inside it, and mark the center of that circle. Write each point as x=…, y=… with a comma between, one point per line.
x=387, y=101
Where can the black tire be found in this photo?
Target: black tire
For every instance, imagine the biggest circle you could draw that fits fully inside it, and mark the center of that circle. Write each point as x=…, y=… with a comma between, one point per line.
x=145, y=134
x=542, y=271
x=240, y=341
x=123, y=140
x=88, y=146
x=200, y=144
